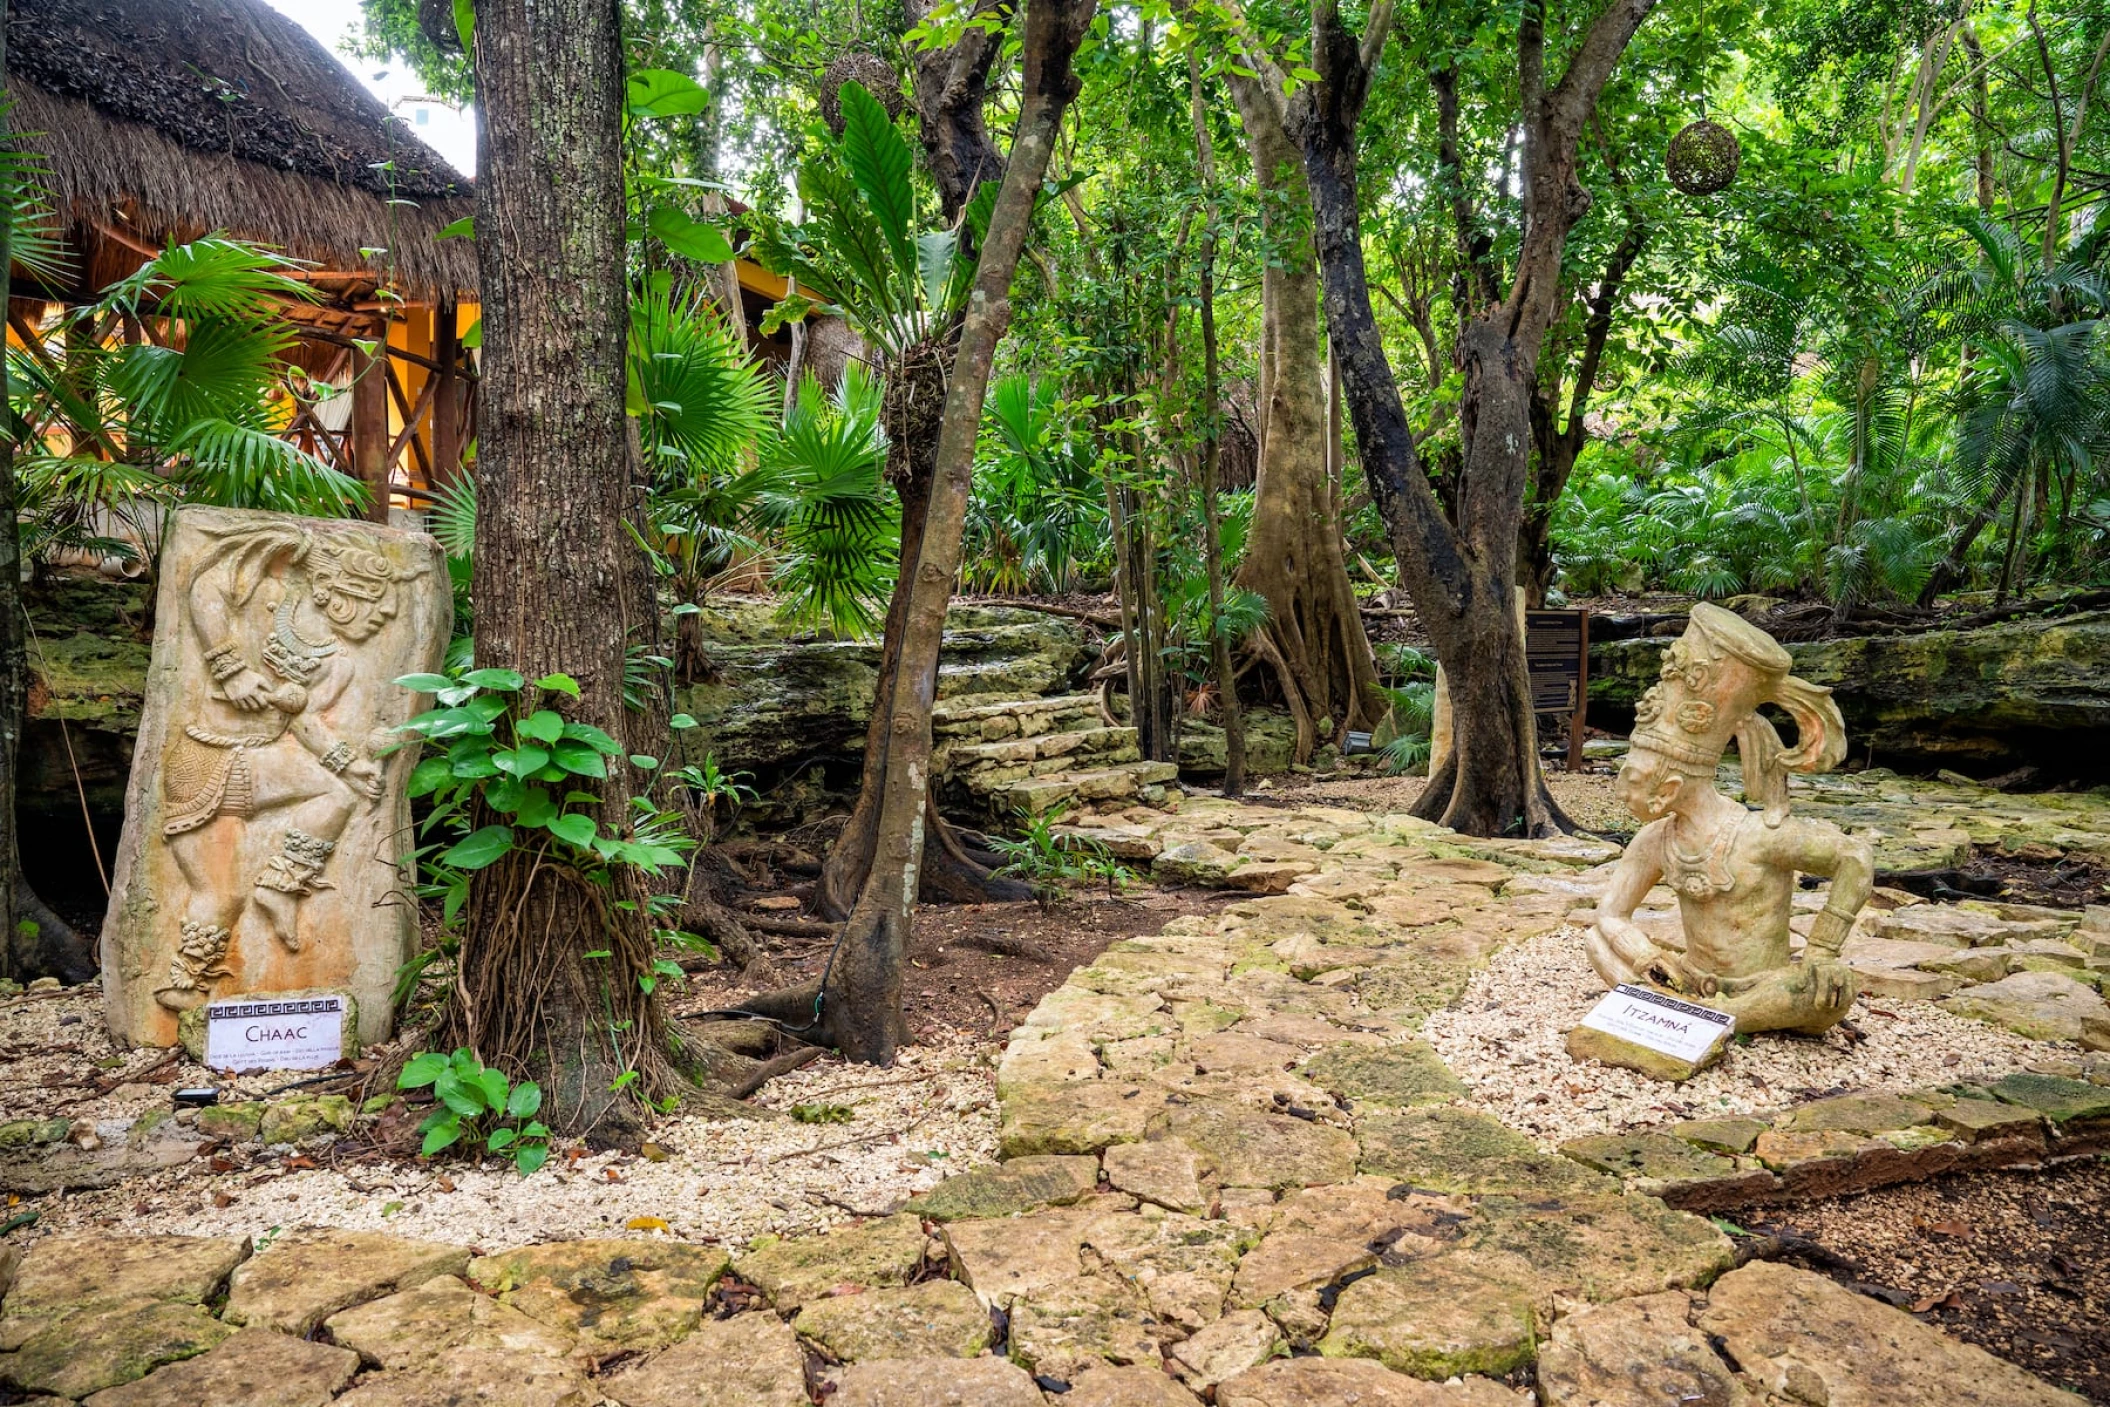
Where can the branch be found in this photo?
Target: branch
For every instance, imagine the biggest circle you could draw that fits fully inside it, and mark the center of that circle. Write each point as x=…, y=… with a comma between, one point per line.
x=1591, y=68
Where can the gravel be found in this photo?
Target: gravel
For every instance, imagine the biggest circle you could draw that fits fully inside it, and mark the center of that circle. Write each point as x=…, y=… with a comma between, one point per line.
x=1505, y=1037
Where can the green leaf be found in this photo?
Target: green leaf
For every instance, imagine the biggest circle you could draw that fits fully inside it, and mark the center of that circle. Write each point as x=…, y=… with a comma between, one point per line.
x=465, y=227
x=480, y=849
x=466, y=1100
x=643, y=763
x=535, y=1130
x=499, y=1141
x=506, y=680
x=559, y=684
x=495, y=1086
x=623, y=1079
x=526, y=1100
x=536, y=808
x=421, y=1071
x=543, y=725
x=661, y=92
x=473, y=339
x=520, y=761
x=465, y=25
x=425, y=683
x=680, y=721
x=429, y=775
x=443, y=1134
x=579, y=830
x=530, y=1157
x=579, y=759
x=594, y=737
x=471, y=759
x=878, y=161
x=690, y=238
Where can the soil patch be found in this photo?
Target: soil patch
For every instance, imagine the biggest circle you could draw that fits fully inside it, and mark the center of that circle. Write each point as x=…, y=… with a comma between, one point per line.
x=1586, y=796
x=2017, y=1262
x=2053, y=879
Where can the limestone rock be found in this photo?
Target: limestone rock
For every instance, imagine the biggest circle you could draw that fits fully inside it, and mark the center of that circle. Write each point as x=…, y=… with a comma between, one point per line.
x=1074, y=1119
x=1331, y=1382
x=612, y=1294
x=478, y=1378
x=1287, y=1260
x=306, y=1276
x=1466, y=1311
x=877, y=1254
x=1781, y=1149
x=1020, y=1185
x=406, y=1329
x=1589, y=1043
x=1009, y=1257
x=1635, y=1353
x=1138, y=1385
x=254, y=1368
x=1867, y=1113
x=935, y=1382
x=315, y=620
x=64, y=1271
x=1066, y=1329
x=1650, y=1157
x=1399, y=1076
x=80, y=1351
x=1237, y=1051
x=1181, y=1265
x=2044, y=1006
x=1800, y=1336
x=1958, y=927
x=937, y=1319
x=1720, y=1135
x=2059, y=1100
x=1460, y=1150
x=749, y=1360
x=1253, y=1149
x=1165, y=1171
x=295, y=1120
x=1975, y=1119
x=1231, y=1345
x=1196, y=862
x=1604, y=1248
x=1057, y=1059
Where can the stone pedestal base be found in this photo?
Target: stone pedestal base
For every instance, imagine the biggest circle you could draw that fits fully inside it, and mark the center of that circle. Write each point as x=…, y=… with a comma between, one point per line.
x=1588, y=1043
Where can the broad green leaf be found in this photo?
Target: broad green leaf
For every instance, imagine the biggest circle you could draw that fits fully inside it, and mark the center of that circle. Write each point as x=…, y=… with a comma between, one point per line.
x=504, y=795
x=507, y=680
x=479, y=849
x=681, y=720
x=593, y=737
x=465, y=25
x=465, y=227
x=536, y=809
x=559, y=684
x=499, y=1141
x=495, y=1087
x=521, y=761
x=425, y=683
x=466, y=1100
x=421, y=1071
x=530, y=1157
x=429, y=775
x=441, y=1135
x=543, y=725
x=661, y=92
x=579, y=830
x=643, y=763
x=578, y=758
x=690, y=238
x=471, y=759
x=878, y=161
x=526, y=1100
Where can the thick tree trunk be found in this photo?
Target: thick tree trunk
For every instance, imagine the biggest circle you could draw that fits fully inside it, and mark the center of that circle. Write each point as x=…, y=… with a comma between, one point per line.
x=16, y=958
x=857, y=1006
x=549, y=964
x=1212, y=449
x=1294, y=557
x=1460, y=568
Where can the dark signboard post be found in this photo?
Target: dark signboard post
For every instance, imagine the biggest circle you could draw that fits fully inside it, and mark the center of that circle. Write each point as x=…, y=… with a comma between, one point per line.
x=1557, y=654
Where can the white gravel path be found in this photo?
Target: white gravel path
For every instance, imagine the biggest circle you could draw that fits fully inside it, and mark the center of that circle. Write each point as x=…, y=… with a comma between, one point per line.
x=1505, y=1037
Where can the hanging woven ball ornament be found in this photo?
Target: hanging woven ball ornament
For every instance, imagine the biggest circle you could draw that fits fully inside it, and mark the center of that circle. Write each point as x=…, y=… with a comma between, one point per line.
x=875, y=74
x=1703, y=158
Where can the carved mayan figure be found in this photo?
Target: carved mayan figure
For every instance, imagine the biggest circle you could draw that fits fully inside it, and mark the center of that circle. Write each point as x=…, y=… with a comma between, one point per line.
x=270, y=709
x=1733, y=868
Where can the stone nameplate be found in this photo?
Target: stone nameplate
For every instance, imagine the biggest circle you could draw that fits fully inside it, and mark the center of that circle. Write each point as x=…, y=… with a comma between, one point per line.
x=268, y=1035
x=1678, y=1029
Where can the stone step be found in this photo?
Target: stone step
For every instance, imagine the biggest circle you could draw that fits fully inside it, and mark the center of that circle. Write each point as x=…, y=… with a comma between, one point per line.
x=1038, y=795
x=969, y=759
x=975, y=718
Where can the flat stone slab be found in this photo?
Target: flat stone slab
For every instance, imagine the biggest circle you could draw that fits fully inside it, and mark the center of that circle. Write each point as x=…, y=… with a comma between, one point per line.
x=1138, y=1385
x=1005, y=1259
x=1869, y=1113
x=62, y=1271
x=935, y=1382
x=937, y=1319
x=1803, y=1337
x=1327, y=1382
x=2057, y=1099
x=1407, y=1075
x=1232, y=1344
x=749, y=1360
x=1466, y=1311
x=1164, y=1171
x=254, y=1368
x=305, y=1276
x=1250, y=1148
x=478, y=1378
x=1021, y=1185
x=1289, y=1260
x=1460, y=1150
x=612, y=1295
x=1604, y=1248
x=1636, y=1353
x=1974, y=1119
x=2044, y=1006
x=1181, y=1265
x=1589, y=1043
x=1070, y=1328
x=1721, y=1135
x=406, y=1329
x=76, y=1353
x=877, y=1254
x=1080, y=1118
x=1652, y=1157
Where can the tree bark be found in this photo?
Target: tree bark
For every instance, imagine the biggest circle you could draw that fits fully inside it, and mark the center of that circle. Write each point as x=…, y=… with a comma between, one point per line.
x=1212, y=449
x=1294, y=556
x=857, y=1006
x=1460, y=571
x=549, y=963
x=16, y=956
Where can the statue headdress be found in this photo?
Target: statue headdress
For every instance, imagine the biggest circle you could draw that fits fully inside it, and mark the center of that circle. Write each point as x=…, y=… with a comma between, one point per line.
x=1714, y=678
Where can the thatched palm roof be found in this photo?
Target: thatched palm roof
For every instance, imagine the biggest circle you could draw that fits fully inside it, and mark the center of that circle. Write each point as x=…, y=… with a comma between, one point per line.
x=163, y=118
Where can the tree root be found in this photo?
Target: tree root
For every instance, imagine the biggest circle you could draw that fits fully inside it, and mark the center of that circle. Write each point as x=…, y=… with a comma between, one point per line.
x=769, y=1069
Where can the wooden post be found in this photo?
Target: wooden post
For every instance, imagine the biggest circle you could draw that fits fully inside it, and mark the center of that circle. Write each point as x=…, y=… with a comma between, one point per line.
x=370, y=428
x=446, y=413
x=1582, y=698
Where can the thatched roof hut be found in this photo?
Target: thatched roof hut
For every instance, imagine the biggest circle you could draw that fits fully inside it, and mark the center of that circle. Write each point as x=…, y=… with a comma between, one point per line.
x=168, y=119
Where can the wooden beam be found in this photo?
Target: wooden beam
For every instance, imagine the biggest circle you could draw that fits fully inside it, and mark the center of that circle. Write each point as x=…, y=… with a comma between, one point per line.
x=446, y=408
x=370, y=429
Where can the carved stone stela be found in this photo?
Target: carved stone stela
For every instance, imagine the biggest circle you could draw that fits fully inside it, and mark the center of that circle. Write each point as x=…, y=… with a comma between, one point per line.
x=266, y=820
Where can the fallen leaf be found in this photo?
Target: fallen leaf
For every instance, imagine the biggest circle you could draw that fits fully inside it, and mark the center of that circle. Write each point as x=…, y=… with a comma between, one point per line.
x=653, y=1153
x=445, y=1183
x=219, y=1164
x=299, y=1163
x=611, y=1174
x=222, y=1200
x=647, y=1223
x=846, y=1289
x=1951, y=1227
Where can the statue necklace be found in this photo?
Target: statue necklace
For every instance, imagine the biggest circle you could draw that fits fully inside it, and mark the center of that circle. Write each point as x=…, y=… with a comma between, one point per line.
x=290, y=654
x=1705, y=874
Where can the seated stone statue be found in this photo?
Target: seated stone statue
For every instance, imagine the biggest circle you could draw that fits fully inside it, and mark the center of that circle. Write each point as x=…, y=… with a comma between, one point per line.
x=1733, y=868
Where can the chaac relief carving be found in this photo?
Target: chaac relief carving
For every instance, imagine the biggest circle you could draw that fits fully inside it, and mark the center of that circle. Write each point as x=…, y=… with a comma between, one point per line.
x=266, y=821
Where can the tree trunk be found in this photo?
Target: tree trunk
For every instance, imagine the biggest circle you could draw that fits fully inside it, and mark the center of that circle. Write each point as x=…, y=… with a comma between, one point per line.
x=1294, y=556
x=857, y=1004
x=549, y=963
x=14, y=650
x=1460, y=572
x=1212, y=450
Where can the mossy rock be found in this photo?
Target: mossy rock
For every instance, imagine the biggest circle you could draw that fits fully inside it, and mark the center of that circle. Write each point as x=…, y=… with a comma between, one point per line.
x=1461, y=1151
x=1406, y=1076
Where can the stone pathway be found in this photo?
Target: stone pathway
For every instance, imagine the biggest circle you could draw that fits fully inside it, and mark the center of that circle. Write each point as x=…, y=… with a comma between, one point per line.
x=1231, y=1170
